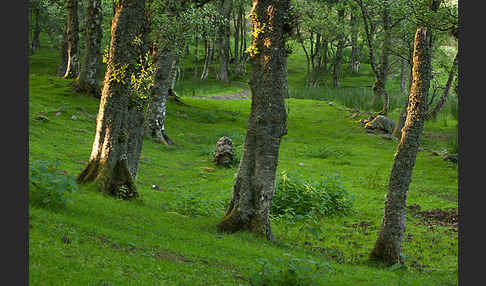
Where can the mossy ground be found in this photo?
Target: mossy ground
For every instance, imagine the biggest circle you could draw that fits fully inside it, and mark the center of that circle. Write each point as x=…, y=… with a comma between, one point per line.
x=169, y=236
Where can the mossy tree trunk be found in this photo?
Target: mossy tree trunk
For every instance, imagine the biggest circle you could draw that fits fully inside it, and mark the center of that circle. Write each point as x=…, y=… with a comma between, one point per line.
x=254, y=184
x=156, y=109
x=72, y=36
x=87, y=80
x=113, y=157
x=388, y=245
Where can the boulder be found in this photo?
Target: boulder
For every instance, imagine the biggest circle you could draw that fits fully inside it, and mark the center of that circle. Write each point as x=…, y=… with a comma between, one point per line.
x=381, y=123
x=223, y=154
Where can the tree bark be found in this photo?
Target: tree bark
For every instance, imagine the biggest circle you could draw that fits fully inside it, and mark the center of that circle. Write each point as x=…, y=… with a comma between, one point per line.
x=223, y=41
x=336, y=72
x=72, y=34
x=35, y=44
x=114, y=155
x=87, y=80
x=61, y=70
x=404, y=77
x=155, y=114
x=255, y=181
x=388, y=245
x=207, y=59
x=355, y=53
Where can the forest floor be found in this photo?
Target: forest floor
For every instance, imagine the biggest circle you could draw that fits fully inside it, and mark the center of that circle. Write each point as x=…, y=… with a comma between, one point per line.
x=169, y=235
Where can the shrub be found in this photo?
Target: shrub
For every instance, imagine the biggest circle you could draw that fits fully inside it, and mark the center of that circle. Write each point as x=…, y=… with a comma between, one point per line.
x=290, y=271
x=49, y=186
x=298, y=196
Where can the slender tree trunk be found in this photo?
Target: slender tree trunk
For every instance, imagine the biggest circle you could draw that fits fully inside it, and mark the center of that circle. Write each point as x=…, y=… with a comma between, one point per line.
x=388, y=245
x=241, y=18
x=317, y=65
x=155, y=115
x=404, y=77
x=336, y=72
x=196, y=54
x=255, y=181
x=355, y=52
x=222, y=40
x=35, y=44
x=174, y=72
x=325, y=47
x=87, y=80
x=397, y=132
x=111, y=164
x=380, y=84
x=207, y=59
x=61, y=69
x=72, y=34
x=438, y=106
x=237, y=24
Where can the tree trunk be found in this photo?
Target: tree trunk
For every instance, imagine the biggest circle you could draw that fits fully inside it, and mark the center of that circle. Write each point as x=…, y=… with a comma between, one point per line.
x=174, y=72
x=438, y=106
x=156, y=108
x=61, y=69
x=397, y=132
x=207, y=59
x=380, y=84
x=355, y=57
x=336, y=72
x=236, y=34
x=403, y=77
x=222, y=40
x=72, y=35
x=87, y=80
x=255, y=181
x=111, y=164
x=380, y=72
x=35, y=44
x=196, y=52
x=388, y=245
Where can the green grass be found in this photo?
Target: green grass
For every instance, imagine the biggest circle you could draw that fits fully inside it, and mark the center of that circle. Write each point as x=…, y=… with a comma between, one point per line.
x=159, y=240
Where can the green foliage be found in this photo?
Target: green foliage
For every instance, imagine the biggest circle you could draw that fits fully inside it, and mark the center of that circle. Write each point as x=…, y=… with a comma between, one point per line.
x=50, y=187
x=291, y=271
x=296, y=195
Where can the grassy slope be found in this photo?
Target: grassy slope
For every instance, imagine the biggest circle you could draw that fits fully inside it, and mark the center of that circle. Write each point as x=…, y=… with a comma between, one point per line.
x=148, y=242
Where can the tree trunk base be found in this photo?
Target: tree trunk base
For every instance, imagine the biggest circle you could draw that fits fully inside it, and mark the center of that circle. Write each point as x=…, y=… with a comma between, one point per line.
x=172, y=95
x=233, y=222
x=163, y=139
x=385, y=253
x=117, y=182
